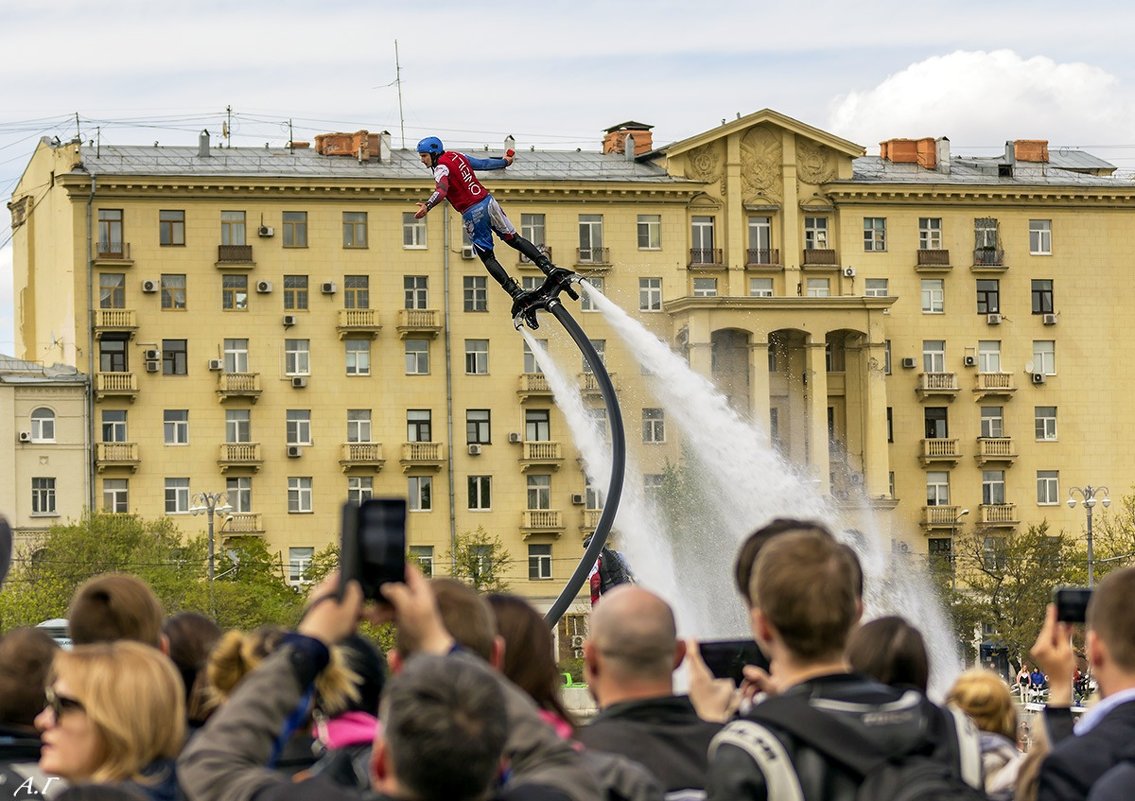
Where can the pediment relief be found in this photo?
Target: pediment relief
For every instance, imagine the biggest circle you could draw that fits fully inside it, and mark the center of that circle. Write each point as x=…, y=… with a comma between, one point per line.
x=704, y=163
x=815, y=164
x=761, y=155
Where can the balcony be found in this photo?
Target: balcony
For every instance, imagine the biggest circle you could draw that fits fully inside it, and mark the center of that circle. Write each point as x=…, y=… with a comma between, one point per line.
x=541, y=454
x=593, y=257
x=353, y=322
x=240, y=455
x=940, y=517
x=235, y=256
x=757, y=259
x=542, y=521
x=238, y=385
x=986, y=384
x=706, y=258
x=361, y=454
x=116, y=454
x=416, y=322
x=590, y=520
x=937, y=385
x=242, y=524
x=422, y=455
x=527, y=262
x=589, y=384
x=932, y=260
x=113, y=254
x=999, y=515
x=115, y=320
x=533, y=385
x=995, y=449
x=989, y=259
x=821, y=257
x=116, y=385
x=935, y=451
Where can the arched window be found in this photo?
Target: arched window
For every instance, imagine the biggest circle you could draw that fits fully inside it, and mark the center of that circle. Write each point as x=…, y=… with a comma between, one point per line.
x=43, y=425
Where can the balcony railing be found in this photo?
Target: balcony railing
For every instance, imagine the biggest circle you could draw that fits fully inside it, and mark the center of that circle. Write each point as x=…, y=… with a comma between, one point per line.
x=545, y=249
x=940, y=516
x=589, y=384
x=933, y=258
x=706, y=257
x=361, y=454
x=994, y=384
x=757, y=258
x=238, y=385
x=593, y=256
x=939, y=450
x=113, y=251
x=995, y=449
x=422, y=454
x=234, y=254
x=239, y=524
x=116, y=454
x=121, y=385
x=937, y=384
x=542, y=520
x=989, y=258
x=115, y=320
x=239, y=454
x=591, y=519
x=358, y=321
x=542, y=452
x=999, y=514
x=533, y=385
x=419, y=321
x=820, y=257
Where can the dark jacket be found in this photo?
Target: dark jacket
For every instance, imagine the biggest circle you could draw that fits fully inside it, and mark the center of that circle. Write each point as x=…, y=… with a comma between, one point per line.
x=889, y=719
x=19, y=762
x=663, y=734
x=1076, y=762
x=1115, y=785
x=158, y=783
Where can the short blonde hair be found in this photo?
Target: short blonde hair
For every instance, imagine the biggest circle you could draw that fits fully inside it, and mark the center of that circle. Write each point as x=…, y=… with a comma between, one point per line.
x=134, y=696
x=983, y=696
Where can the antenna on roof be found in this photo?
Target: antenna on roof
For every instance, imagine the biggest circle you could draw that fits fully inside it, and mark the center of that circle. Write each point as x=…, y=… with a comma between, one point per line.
x=398, y=83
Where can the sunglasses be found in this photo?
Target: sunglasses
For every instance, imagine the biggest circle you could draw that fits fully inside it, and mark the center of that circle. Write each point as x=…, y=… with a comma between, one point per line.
x=61, y=704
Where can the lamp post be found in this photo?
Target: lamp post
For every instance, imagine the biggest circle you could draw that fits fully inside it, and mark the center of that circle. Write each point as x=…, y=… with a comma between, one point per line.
x=210, y=503
x=953, y=545
x=1089, y=493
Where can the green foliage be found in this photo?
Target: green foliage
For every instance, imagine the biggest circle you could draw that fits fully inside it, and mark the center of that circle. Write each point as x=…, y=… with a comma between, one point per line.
x=479, y=559
x=1114, y=535
x=574, y=667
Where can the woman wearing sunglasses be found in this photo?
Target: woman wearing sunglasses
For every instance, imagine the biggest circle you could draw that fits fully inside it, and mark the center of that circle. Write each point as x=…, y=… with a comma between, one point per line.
x=115, y=714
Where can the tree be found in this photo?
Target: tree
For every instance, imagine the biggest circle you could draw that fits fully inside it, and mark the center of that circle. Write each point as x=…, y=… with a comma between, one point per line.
x=480, y=559
x=1114, y=533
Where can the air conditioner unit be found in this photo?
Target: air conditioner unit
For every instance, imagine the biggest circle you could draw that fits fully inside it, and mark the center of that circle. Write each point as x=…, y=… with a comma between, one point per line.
x=327, y=287
x=577, y=499
x=577, y=641
x=908, y=363
x=993, y=319
x=467, y=252
x=152, y=354
x=216, y=364
x=149, y=287
x=849, y=272
x=1048, y=319
x=153, y=366
x=474, y=449
x=25, y=436
x=514, y=438
x=294, y=451
x=1039, y=378
x=289, y=320
x=299, y=381
x=970, y=361
x=263, y=287
x=266, y=231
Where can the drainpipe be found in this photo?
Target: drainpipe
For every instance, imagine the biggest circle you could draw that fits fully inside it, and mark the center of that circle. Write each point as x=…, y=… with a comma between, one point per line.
x=448, y=391
x=89, y=431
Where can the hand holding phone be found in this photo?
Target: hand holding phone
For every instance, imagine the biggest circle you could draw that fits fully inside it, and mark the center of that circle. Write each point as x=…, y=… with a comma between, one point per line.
x=726, y=659
x=372, y=548
x=1071, y=604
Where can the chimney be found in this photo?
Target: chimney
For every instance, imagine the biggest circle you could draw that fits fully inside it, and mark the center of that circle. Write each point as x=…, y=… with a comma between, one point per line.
x=1035, y=150
x=509, y=143
x=628, y=147
x=384, y=144
x=943, y=155
x=923, y=152
x=615, y=138
x=203, y=144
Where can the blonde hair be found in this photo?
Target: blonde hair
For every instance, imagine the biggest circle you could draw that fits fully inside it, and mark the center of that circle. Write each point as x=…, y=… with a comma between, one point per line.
x=983, y=696
x=135, y=699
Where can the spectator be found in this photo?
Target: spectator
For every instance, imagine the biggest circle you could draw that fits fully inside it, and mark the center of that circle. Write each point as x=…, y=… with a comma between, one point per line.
x=1023, y=680
x=191, y=637
x=804, y=598
x=115, y=714
x=115, y=606
x=25, y=659
x=891, y=651
x=983, y=696
x=1081, y=754
x=629, y=660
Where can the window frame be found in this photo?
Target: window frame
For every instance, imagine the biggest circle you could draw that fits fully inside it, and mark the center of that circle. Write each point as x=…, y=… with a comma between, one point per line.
x=874, y=234
x=178, y=428
x=297, y=357
x=478, y=429
x=300, y=495
x=356, y=232
x=297, y=426
x=171, y=228
x=43, y=496
x=539, y=561
x=174, y=290
x=479, y=493
x=176, y=495
x=476, y=357
x=356, y=354
x=417, y=356
x=648, y=230
x=650, y=294
x=293, y=225
x=1040, y=237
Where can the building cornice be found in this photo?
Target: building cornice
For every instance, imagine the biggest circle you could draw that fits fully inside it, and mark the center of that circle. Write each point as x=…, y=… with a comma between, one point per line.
x=989, y=195
x=721, y=304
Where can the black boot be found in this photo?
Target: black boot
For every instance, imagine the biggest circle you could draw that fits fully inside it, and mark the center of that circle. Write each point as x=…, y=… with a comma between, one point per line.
x=522, y=300
x=558, y=278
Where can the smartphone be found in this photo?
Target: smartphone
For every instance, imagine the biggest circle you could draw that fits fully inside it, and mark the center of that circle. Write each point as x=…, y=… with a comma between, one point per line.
x=1071, y=604
x=372, y=548
x=726, y=658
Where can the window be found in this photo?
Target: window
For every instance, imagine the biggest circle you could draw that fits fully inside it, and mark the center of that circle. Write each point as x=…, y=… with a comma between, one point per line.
x=1045, y=418
x=1040, y=237
x=356, y=292
x=933, y=296
x=295, y=229
x=992, y=487
x=989, y=356
x=599, y=416
x=232, y=228
x=173, y=292
x=358, y=425
x=760, y=240
x=43, y=425
x=532, y=228
x=929, y=233
x=177, y=496
x=815, y=233
x=530, y=283
x=593, y=500
x=175, y=357
x=650, y=232
x=299, y=560
x=236, y=355
x=175, y=426
x=992, y=422
x=413, y=231
x=480, y=493
x=760, y=287
x=297, y=426
x=988, y=296
x=1047, y=487
x=418, y=425
x=985, y=236
x=476, y=357
x=653, y=426
x=423, y=555
x=874, y=234
x=600, y=346
x=114, y=425
x=876, y=288
x=478, y=429
x=110, y=233
x=476, y=293
x=539, y=562
x=299, y=494
x=112, y=354
x=354, y=229
x=358, y=356
x=360, y=488
x=1042, y=296
x=586, y=304
x=890, y=424
x=43, y=496
x=171, y=227
x=591, y=239
x=420, y=489
x=819, y=288
x=652, y=485
x=116, y=495
x=531, y=364
x=940, y=553
x=417, y=291
x=933, y=356
x=112, y=290
x=1044, y=356
x=539, y=492
x=937, y=488
x=705, y=287
x=238, y=491
x=937, y=424
x=295, y=292
x=417, y=357
x=297, y=357
x=702, y=240
x=234, y=292
x=650, y=294
x=238, y=426
x=537, y=425
x=993, y=553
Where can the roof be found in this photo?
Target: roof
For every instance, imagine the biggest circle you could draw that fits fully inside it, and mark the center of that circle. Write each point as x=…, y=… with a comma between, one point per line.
x=837, y=143
x=629, y=125
x=20, y=371
x=1062, y=171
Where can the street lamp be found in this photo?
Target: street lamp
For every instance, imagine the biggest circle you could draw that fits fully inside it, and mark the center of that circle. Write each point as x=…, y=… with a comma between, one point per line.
x=210, y=503
x=1089, y=493
x=953, y=546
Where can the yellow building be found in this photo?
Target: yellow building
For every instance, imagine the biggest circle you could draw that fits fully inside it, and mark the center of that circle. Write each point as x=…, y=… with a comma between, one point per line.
x=930, y=332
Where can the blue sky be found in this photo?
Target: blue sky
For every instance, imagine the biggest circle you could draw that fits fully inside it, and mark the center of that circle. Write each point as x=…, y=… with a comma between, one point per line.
x=555, y=76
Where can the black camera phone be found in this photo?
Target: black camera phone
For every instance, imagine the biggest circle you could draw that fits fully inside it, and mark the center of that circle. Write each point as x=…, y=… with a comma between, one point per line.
x=372, y=550
x=726, y=658
x=1071, y=604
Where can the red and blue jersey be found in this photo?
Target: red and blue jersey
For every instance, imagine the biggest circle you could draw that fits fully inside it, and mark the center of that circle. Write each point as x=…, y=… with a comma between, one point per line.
x=457, y=182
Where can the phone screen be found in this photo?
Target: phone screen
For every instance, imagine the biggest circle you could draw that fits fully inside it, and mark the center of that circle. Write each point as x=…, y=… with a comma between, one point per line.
x=373, y=545
x=1072, y=604
x=726, y=658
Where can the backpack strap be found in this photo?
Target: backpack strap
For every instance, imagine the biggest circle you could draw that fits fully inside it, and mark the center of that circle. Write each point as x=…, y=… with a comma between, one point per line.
x=768, y=752
x=969, y=748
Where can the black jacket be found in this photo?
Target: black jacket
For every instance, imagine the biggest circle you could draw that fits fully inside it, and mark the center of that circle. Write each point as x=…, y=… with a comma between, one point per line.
x=1078, y=761
x=875, y=710
x=663, y=734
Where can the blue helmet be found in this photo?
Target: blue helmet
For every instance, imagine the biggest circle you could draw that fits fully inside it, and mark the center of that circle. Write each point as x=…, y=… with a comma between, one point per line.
x=431, y=144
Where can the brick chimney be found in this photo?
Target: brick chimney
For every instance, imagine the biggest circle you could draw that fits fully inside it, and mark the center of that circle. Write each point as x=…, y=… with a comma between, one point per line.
x=615, y=137
x=363, y=145
x=923, y=152
x=1031, y=150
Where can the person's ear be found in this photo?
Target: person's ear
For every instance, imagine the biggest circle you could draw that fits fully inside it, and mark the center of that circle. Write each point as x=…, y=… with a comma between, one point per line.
x=679, y=653
x=763, y=630
x=590, y=661
x=1096, y=651
x=499, y=648
x=394, y=661
x=379, y=769
x=163, y=644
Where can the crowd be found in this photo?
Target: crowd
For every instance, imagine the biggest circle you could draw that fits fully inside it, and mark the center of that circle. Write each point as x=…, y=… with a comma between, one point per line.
x=466, y=703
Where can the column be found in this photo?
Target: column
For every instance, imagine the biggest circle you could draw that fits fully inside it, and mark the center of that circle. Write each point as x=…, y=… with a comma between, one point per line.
x=816, y=398
x=759, y=382
x=873, y=412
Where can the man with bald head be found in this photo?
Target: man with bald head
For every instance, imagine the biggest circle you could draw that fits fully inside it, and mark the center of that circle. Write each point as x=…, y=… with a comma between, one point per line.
x=629, y=661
